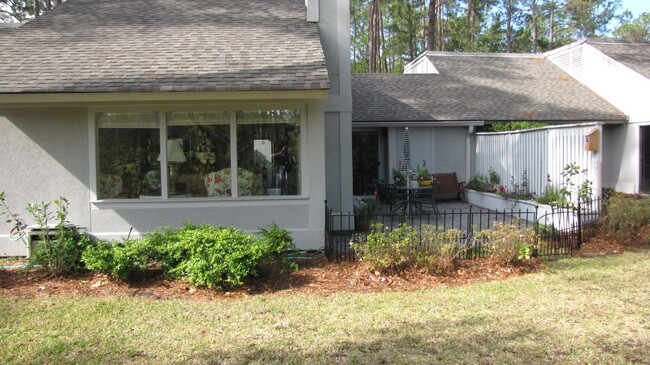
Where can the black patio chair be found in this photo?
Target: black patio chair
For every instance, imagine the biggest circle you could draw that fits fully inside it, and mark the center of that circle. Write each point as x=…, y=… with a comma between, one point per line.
x=389, y=195
x=427, y=198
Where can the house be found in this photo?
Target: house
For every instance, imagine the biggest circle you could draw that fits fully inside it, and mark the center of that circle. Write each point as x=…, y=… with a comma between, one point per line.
x=443, y=97
x=619, y=72
x=138, y=112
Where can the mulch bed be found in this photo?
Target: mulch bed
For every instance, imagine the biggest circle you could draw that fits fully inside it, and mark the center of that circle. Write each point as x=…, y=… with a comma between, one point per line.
x=314, y=277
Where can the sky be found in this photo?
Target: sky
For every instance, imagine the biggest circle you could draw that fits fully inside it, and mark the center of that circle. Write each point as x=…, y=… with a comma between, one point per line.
x=636, y=6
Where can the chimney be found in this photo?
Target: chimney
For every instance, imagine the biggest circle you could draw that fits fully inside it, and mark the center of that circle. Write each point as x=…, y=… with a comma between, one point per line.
x=312, y=10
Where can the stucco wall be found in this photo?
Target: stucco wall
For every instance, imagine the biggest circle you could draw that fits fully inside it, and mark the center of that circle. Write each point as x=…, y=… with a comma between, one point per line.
x=45, y=154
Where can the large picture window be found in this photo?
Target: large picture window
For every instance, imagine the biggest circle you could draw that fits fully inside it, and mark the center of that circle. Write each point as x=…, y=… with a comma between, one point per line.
x=198, y=161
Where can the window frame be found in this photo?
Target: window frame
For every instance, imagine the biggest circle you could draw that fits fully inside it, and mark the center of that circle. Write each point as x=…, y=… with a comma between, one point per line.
x=232, y=109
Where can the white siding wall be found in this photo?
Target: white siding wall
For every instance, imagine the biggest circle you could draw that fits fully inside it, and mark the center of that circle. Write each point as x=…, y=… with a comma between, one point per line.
x=538, y=152
x=624, y=88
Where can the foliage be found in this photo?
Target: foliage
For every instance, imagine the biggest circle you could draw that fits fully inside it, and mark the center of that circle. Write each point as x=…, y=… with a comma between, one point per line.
x=479, y=182
x=121, y=259
x=386, y=34
x=634, y=30
x=550, y=196
x=441, y=248
x=402, y=249
x=626, y=215
x=59, y=248
x=507, y=244
x=367, y=207
x=423, y=173
x=495, y=179
x=13, y=217
x=514, y=126
x=202, y=255
x=398, y=176
x=517, y=189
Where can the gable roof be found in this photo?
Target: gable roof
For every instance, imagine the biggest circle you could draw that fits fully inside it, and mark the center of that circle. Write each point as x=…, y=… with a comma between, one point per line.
x=478, y=87
x=164, y=45
x=635, y=55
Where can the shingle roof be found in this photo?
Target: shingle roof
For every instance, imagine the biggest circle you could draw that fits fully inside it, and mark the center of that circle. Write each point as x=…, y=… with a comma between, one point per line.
x=165, y=45
x=478, y=87
x=635, y=55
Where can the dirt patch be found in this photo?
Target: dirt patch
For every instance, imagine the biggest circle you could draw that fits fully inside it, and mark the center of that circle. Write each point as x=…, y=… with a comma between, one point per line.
x=315, y=276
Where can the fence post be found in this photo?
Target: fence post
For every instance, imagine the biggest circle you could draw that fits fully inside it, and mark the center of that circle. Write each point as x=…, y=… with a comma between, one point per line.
x=579, y=225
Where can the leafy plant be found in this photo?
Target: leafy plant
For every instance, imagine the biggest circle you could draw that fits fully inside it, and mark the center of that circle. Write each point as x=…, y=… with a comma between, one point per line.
x=398, y=177
x=60, y=248
x=278, y=241
x=423, y=173
x=120, y=259
x=389, y=251
x=402, y=249
x=441, y=248
x=628, y=215
x=479, y=182
x=494, y=177
x=514, y=126
x=507, y=244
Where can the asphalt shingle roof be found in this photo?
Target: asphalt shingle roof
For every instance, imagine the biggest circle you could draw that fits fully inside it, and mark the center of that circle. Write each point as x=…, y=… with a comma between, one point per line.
x=164, y=45
x=635, y=55
x=478, y=87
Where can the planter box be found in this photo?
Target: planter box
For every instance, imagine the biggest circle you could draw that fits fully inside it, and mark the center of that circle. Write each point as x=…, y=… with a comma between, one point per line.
x=560, y=218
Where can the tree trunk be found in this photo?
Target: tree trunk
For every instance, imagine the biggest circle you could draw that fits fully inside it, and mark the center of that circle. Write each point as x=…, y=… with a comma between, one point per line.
x=433, y=16
x=509, y=26
x=37, y=8
x=373, y=37
x=535, y=27
x=551, y=30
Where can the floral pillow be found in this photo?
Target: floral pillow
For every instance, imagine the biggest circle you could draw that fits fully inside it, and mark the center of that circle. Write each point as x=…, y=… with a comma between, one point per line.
x=218, y=183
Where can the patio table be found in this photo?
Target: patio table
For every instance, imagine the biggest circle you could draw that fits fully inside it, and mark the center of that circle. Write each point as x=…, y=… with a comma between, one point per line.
x=413, y=194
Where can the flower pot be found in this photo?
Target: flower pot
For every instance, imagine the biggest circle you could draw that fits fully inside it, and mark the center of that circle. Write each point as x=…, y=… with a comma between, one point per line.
x=425, y=183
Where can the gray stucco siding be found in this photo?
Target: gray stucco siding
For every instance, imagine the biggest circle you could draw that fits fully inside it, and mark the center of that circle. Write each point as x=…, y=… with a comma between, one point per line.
x=46, y=153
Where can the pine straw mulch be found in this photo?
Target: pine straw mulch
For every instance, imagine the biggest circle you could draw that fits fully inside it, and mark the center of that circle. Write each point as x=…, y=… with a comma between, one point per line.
x=315, y=276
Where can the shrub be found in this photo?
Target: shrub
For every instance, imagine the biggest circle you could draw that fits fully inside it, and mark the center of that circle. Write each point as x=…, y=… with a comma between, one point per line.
x=389, y=251
x=479, y=182
x=441, y=248
x=120, y=259
x=218, y=256
x=401, y=249
x=59, y=249
x=506, y=244
x=278, y=241
x=626, y=215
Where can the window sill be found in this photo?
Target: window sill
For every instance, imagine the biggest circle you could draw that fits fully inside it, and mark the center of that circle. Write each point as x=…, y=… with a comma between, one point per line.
x=183, y=202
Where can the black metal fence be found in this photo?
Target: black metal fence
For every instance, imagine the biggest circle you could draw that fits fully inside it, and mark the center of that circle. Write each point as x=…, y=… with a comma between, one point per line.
x=558, y=232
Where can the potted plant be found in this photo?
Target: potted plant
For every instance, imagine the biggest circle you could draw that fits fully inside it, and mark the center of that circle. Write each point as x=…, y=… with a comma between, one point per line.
x=423, y=176
x=364, y=212
x=399, y=177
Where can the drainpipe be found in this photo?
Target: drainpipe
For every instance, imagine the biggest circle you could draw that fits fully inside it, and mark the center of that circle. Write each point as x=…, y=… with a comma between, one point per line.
x=470, y=156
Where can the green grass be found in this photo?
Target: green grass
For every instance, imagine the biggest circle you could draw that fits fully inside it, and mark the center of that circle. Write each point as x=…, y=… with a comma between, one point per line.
x=577, y=311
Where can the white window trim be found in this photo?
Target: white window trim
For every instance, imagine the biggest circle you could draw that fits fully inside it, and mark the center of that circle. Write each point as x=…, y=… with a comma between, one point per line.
x=162, y=115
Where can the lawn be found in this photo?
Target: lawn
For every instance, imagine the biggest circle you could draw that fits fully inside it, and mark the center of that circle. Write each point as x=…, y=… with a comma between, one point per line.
x=581, y=310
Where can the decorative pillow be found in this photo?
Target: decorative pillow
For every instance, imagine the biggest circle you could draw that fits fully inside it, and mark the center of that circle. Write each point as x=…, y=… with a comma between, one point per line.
x=218, y=183
x=110, y=186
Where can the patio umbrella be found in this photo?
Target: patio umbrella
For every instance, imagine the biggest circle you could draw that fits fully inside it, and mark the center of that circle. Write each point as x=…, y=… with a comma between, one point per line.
x=406, y=166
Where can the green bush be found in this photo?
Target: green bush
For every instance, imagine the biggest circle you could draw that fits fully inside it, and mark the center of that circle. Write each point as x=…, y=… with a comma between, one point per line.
x=389, y=251
x=441, y=248
x=401, y=249
x=626, y=215
x=59, y=249
x=479, y=182
x=201, y=255
x=120, y=259
x=218, y=256
x=507, y=244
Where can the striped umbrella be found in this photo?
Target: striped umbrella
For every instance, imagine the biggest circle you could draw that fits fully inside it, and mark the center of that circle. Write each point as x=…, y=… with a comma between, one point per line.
x=406, y=166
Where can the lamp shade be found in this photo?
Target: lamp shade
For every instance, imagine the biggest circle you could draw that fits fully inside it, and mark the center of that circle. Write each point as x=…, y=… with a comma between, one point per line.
x=174, y=151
